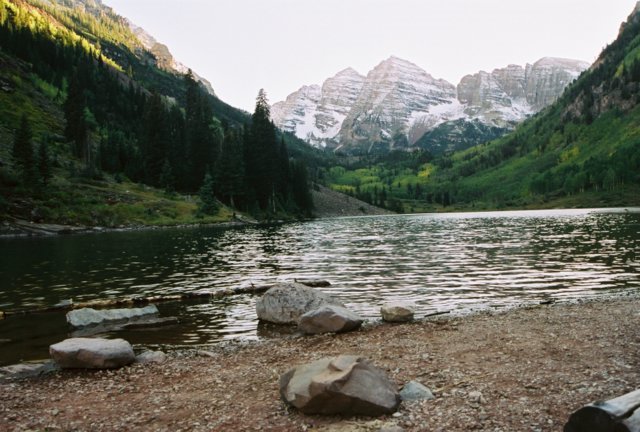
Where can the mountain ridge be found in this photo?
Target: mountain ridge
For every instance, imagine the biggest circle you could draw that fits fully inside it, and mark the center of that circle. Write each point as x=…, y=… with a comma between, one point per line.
x=397, y=103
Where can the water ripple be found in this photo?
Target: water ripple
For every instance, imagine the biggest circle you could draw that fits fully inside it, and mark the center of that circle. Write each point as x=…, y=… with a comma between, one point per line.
x=451, y=261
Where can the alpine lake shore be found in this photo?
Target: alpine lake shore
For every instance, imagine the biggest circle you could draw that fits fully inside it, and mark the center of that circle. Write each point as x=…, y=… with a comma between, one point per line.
x=524, y=369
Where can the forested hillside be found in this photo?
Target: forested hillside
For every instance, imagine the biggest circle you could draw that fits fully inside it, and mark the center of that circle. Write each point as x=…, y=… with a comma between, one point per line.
x=584, y=150
x=85, y=109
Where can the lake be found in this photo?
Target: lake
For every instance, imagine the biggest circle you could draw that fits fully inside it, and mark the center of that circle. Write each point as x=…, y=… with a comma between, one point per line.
x=459, y=262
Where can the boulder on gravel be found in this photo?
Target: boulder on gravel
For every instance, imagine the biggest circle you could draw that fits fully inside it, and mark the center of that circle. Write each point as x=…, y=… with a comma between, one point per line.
x=88, y=316
x=397, y=312
x=347, y=385
x=92, y=353
x=285, y=303
x=329, y=319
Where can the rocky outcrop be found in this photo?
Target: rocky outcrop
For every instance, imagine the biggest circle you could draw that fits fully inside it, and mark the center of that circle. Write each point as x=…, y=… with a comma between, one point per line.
x=316, y=113
x=347, y=385
x=286, y=302
x=89, y=353
x=329, y=319
x=398, y=103
x=88, y=316
x=397, y=312
x=161, y=57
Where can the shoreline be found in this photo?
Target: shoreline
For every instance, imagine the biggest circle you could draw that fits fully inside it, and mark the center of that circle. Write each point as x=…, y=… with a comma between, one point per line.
x=19, y=228
x=533, y=365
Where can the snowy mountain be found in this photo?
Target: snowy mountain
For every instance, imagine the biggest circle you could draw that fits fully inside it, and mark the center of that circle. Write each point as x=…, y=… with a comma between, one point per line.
x=397, y=104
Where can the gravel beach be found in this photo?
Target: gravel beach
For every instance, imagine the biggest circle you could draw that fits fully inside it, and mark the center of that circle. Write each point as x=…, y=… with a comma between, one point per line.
x=521, y=370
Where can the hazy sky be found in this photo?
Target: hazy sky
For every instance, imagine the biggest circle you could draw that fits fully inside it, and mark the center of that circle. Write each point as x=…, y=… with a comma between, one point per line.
x=279, y=45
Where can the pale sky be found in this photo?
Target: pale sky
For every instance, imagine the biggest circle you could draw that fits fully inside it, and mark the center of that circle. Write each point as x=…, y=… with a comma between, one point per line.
x=241, y=46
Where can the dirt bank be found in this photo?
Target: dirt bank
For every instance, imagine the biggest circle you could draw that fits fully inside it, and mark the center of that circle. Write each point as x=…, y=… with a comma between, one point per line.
x=533, y=367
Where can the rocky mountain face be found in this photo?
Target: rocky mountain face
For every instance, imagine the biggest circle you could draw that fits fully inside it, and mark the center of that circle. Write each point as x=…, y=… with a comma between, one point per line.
x=162, y=57
x=398, y=104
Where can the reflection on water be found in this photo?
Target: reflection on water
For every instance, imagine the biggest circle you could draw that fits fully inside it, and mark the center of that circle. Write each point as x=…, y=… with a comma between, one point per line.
x=440, y=262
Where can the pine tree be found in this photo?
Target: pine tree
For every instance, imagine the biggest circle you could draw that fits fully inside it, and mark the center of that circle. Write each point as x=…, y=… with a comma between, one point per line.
x=300, y=185
x=229, y=172
x=208, y=204
x=203, y=132
x=262, y=155
x=167, y=179
x=154, y=141
x=23, y=152
x=44, y=162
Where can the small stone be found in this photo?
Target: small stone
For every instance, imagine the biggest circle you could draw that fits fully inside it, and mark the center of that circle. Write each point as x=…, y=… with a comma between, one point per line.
x=329, y=319
x=397, y=312
x=476, y=397
x=415, y=391
x=151, y=357
x=391, y=428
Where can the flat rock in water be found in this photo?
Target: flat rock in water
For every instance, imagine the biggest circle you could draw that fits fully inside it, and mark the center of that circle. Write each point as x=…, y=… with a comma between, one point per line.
x=92, y=353
x=397, y=312
x=347, y=385
x=26, y=370
x=414, y=391
x=285, y=303
x=329, y=319
x=88, y=316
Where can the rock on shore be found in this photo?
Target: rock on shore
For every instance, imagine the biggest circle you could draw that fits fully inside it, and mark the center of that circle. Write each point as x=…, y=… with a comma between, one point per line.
x=89, y=353
x=286, y=302
x=346, y=384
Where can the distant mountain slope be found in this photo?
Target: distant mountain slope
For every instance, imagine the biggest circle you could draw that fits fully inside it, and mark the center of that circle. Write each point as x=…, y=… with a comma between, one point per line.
x=398, y=103
x=584, y=148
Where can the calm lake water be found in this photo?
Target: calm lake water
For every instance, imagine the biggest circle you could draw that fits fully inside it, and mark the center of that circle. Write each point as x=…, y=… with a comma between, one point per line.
x=458, y=262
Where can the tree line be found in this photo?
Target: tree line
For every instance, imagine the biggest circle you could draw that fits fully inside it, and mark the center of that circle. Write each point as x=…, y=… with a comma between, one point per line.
x=118, y=125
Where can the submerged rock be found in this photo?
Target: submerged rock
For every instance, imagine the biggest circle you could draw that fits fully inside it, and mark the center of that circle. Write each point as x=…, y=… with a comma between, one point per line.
x=285, y=303
x=346, y=384
x=88, y=316
x=397, y=312
x=90, y=353
x=329, y=319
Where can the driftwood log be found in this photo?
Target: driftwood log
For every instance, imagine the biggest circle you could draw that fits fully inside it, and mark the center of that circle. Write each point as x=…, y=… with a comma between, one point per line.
x=139, y=301
x=616, y=415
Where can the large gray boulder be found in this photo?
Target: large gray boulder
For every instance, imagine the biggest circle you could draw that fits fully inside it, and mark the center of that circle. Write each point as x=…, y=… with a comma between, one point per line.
x=88, y=316
x=329, y=319
x=397, y=312
x=92, y=353
x=346, y=384
x=285, y=303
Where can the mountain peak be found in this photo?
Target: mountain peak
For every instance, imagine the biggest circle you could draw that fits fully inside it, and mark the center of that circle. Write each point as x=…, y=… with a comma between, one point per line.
x=398, y=102
x=348, y=72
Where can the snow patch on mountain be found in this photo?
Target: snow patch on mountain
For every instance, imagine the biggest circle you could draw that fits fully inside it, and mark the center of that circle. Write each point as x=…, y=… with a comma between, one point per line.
x=398, y=102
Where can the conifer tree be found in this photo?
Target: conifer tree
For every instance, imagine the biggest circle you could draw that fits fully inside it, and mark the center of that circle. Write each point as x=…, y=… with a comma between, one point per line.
x=300, y=188
x=44, y=162
x=262, y=155
x=23, y=152
x=208, y=204
x=229, y=172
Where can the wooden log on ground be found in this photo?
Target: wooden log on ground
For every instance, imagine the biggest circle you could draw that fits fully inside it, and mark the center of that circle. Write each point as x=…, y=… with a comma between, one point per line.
x=616, y=415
